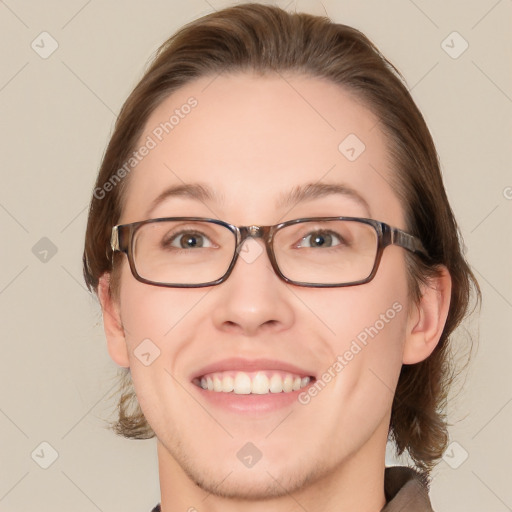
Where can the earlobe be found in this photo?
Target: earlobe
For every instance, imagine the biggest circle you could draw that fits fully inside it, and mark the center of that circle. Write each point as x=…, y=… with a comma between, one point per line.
x=112, y=324
x=427, y=318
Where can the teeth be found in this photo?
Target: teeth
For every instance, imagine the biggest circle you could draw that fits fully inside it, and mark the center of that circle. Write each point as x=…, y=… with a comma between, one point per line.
x=256, y=383
x=217, y=384
x=228, y=384
x=260, y=384
x=276, y=384
x=242, y=384
x=288, y=384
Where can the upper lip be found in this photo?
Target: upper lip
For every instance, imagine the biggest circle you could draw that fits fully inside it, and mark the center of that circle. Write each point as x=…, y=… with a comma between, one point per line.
x=249, y=365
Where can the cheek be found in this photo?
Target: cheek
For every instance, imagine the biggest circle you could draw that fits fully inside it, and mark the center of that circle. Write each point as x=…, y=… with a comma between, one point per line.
x=157, y=322
x=362, y=313
x=362, y=355
x=365, y=326
x=154, y=312
x=367, y=339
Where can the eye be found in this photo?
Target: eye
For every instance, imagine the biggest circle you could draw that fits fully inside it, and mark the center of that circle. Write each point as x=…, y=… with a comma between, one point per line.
x=187, y=240
x=321, y=239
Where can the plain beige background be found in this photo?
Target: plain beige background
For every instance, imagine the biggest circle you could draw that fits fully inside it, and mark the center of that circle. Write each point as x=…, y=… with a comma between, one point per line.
x=56, y=115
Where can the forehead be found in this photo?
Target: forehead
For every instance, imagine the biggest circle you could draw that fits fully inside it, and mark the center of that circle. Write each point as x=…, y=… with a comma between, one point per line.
x=251, y=139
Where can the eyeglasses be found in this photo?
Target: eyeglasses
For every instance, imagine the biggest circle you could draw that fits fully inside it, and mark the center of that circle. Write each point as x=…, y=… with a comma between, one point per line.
x=192, y=252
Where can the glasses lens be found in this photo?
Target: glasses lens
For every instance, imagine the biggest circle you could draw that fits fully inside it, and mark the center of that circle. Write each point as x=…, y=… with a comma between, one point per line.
x=326, y=252
x=183, y=252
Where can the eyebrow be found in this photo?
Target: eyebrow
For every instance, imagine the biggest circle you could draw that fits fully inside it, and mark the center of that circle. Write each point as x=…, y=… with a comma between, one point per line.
x=196, y=191
x=300, y=193
x=311, y=191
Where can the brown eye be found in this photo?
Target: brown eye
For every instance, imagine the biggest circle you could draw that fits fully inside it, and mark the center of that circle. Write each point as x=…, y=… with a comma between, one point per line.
x=187, y=240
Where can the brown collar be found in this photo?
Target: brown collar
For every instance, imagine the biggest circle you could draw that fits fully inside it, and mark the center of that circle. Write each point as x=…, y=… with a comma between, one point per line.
x=406, y=491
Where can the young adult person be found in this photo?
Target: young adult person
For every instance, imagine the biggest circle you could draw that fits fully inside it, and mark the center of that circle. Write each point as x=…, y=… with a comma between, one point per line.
x=279, y=269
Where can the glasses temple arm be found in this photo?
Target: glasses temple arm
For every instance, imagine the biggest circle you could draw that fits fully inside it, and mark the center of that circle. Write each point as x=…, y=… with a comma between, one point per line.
x=407, y=241
x=114, y=239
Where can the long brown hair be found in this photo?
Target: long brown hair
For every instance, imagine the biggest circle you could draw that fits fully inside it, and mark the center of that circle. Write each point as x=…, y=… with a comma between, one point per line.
x=254, y=37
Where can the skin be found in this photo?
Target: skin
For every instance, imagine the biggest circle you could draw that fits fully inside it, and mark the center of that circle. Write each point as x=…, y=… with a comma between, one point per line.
x=253, y=138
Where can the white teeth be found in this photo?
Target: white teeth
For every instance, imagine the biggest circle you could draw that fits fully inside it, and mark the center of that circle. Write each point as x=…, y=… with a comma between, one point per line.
x=288, y=384
x=242, y=384
x=228, y=384
x=276, y=384
x=257, y=383
x=260, y=384
x=217, y=383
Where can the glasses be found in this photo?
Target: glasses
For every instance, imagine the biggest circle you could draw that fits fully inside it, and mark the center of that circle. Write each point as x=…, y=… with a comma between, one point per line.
x=192, y=252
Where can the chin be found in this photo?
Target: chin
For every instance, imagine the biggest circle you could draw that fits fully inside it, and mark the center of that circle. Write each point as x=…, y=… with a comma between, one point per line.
x=251, y=484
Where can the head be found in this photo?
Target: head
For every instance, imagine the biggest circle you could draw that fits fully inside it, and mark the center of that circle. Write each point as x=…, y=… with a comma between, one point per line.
x=262, y=101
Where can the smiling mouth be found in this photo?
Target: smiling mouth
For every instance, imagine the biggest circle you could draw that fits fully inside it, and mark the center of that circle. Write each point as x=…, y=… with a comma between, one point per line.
x=252, y=383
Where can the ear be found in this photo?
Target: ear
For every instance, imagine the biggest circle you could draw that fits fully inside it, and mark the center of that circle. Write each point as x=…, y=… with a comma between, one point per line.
x=427, y=318
x=112, y=324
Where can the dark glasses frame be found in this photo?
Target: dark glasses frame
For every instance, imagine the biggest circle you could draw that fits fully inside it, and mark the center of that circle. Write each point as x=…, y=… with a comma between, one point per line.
x=122, y=240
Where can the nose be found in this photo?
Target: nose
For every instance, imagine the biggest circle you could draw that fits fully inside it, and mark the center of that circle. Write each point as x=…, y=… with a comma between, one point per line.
x=253, y=299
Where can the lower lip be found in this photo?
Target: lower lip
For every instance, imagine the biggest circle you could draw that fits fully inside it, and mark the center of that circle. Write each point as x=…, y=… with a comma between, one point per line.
x=252, y=403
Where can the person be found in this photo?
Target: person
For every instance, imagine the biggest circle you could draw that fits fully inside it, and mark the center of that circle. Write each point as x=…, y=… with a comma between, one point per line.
x=279, y=269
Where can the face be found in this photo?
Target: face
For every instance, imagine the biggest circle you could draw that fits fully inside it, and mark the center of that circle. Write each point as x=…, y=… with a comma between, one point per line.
x=252, y=140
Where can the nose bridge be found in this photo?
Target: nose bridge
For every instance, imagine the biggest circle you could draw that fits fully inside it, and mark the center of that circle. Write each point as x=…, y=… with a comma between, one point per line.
x=249, y=253
x=250, y=299
x=254, y=231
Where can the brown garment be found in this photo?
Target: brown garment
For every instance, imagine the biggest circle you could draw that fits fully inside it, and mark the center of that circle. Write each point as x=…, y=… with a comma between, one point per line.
x=405, y=489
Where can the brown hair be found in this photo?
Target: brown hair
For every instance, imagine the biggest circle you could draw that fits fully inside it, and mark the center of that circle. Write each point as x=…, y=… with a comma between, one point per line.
x=259, y=38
